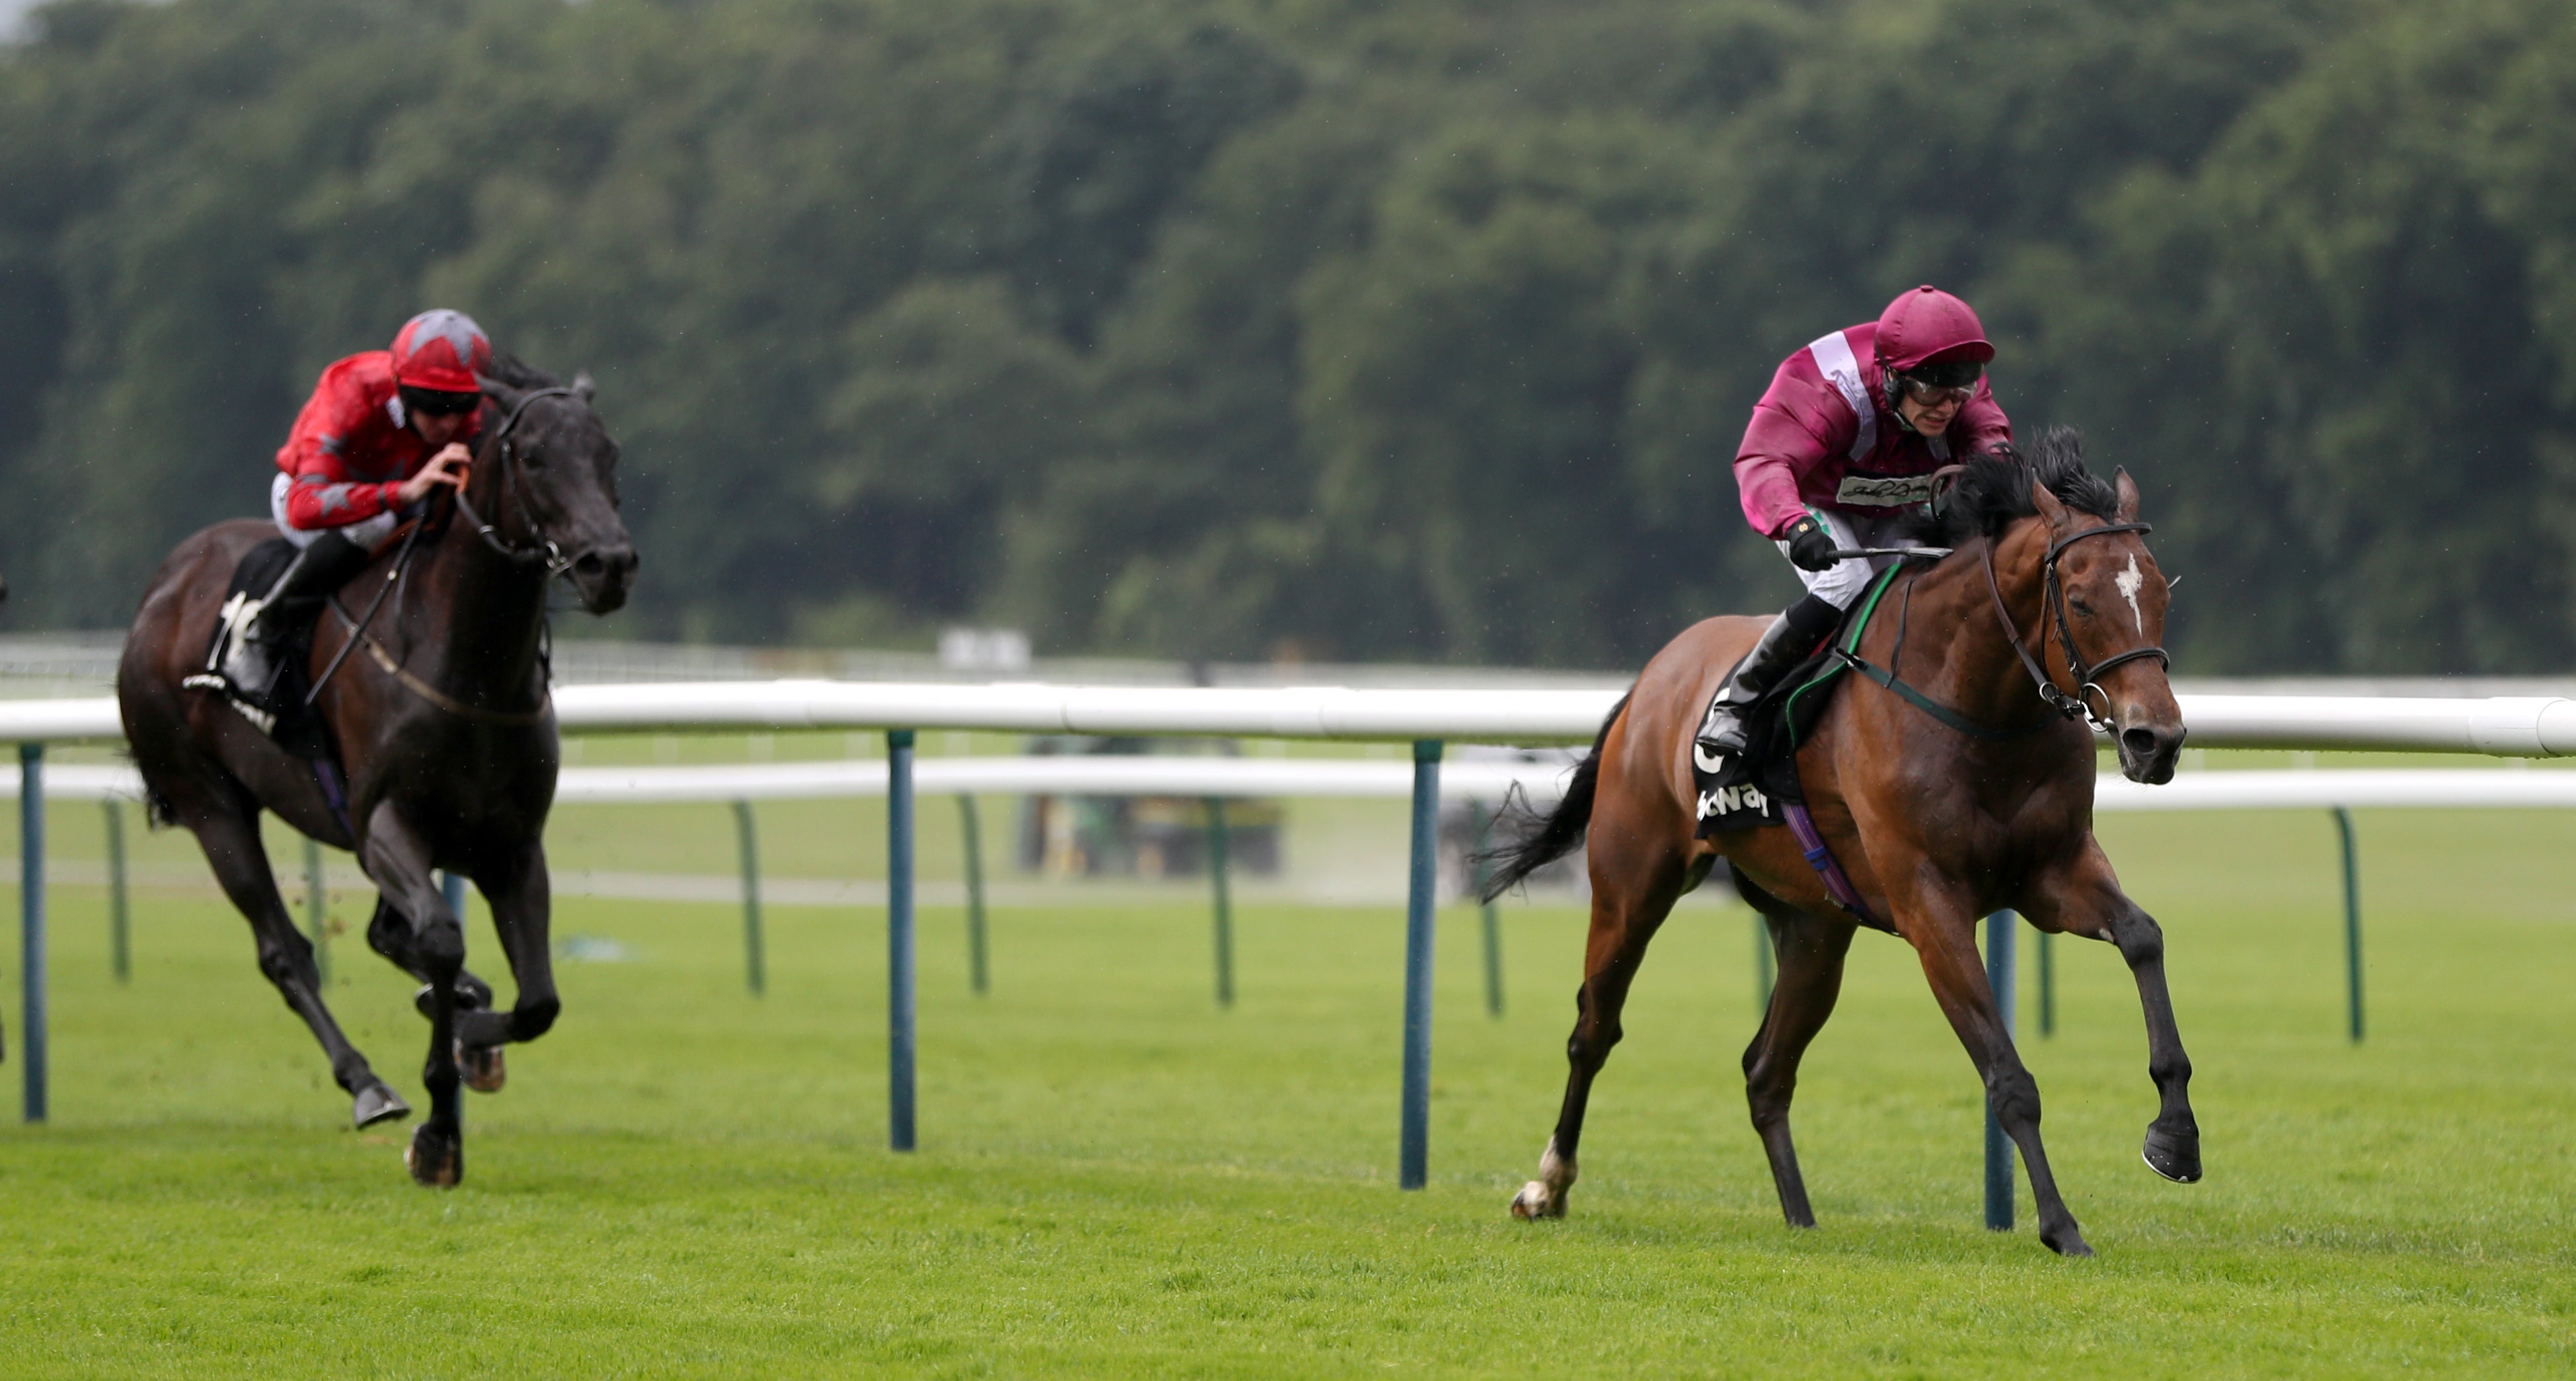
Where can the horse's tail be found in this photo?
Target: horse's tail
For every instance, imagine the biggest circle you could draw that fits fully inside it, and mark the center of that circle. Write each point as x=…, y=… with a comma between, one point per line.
x=1545, y=839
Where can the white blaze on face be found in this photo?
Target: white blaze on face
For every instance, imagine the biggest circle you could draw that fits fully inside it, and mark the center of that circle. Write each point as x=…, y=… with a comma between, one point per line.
x=2129, y=582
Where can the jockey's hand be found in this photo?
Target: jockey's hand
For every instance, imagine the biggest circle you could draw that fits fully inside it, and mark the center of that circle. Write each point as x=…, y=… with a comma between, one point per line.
x=1810, y=546
x=447, y=468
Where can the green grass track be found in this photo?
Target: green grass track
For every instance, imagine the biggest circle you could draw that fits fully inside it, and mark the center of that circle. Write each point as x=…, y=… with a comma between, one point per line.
x=1117, y=1179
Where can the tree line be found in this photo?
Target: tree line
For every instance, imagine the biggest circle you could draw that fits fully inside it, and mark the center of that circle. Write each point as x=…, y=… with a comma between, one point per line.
x=1351, y=329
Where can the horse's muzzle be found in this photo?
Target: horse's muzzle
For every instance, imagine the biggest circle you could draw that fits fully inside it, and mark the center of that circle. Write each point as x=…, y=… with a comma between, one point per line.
x=602, y=576
x=2148, y=752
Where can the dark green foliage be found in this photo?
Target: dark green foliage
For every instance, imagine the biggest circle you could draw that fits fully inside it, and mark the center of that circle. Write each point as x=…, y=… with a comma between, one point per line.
x=1415, y=329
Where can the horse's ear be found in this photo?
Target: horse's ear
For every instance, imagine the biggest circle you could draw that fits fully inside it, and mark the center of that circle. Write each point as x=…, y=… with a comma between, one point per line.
x=2047, y=504
x=502, y=394
x=2127, y=489
x=583, y=385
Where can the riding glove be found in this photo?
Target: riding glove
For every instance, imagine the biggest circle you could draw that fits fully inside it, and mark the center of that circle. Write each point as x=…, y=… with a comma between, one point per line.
x=1810, y=546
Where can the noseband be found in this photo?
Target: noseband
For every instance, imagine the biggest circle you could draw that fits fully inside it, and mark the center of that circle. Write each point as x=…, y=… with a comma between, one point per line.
x=2087, y=676
x=544, y=553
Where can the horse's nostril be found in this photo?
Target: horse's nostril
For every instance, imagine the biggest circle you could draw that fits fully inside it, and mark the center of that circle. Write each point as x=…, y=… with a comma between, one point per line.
x=2141, y=743
x=589, y=564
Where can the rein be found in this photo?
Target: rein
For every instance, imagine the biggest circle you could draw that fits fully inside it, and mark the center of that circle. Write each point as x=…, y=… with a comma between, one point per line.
x=2087, y=675
x=544, y=553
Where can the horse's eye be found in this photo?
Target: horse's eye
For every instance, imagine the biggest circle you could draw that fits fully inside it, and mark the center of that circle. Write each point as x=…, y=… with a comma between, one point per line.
x=2082, y=609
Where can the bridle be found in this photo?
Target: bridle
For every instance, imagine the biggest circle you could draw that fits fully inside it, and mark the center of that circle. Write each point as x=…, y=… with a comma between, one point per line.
x=2087, y=676
x=543, y=552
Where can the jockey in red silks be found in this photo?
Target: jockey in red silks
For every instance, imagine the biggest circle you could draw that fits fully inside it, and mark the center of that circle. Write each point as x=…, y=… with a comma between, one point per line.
x=382, y=431
x=1841, y=448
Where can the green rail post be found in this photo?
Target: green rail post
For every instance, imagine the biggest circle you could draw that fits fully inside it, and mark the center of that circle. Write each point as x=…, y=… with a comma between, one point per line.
x=2351, y=923
x=2047, y=986
x=1414, y=1150
x=119, y=919
x=2000, y=932
x=1762, y=977
x=901, y=1028
x=1217, y=845
x=1480, y=872
x=31, y=925
x=977, y=974
x=755, y=966
x=316, y=917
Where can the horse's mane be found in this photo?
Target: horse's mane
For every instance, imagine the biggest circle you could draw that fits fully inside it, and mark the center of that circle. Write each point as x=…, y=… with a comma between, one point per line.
x=1993, y=489
x=518, y=373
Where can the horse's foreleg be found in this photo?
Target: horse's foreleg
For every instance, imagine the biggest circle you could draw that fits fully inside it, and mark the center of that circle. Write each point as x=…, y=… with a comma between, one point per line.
x=520, y=906
x=1948, y=950
x=2087, y=900
x=1630, y=899
x=232, y=846
x=1811, y=951
x=400, y=861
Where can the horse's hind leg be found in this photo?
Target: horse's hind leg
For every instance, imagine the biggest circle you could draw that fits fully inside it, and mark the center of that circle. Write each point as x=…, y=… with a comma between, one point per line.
x=434, y=950
x=1634, y=886
x=231, y=842
x=1811, y=951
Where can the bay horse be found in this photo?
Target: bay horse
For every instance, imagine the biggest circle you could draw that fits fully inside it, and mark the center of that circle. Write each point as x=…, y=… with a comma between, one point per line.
x=1960, y=785
x=443, y=731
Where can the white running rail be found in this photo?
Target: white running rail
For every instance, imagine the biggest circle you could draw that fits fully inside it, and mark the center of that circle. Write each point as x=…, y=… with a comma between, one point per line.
x=2501, y=726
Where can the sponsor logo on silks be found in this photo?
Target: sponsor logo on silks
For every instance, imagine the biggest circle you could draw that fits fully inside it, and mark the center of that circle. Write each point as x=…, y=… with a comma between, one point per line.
x=1884, y=491
x=1729, y=800
x=1705, y=760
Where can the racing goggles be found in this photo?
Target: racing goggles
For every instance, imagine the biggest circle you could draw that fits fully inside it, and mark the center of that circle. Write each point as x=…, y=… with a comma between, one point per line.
x=1948, y=381
x=432, y=403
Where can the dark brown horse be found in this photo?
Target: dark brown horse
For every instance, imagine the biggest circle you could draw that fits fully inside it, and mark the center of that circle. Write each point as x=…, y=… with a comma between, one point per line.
x=1939, y=816
x=440, y=719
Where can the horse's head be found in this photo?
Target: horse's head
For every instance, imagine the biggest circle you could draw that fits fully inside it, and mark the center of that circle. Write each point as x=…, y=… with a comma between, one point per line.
x=548, y=485
x=2107, y=610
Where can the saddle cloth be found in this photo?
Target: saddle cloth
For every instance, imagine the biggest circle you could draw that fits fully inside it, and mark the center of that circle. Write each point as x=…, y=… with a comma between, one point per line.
x=1753, y=790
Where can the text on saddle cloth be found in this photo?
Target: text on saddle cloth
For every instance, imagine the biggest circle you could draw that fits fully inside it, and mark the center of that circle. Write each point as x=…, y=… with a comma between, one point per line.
x=1749, y=792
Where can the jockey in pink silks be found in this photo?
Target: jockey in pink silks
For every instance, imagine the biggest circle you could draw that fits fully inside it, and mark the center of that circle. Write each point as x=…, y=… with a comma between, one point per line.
x=1841, y=448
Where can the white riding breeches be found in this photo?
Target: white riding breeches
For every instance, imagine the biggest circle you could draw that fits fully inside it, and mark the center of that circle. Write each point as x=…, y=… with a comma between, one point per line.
x=365, y=533
x=1842, y=582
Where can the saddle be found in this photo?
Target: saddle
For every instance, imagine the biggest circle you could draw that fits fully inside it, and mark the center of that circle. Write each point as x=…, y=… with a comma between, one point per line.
x=281, y=713
x=1755, y=790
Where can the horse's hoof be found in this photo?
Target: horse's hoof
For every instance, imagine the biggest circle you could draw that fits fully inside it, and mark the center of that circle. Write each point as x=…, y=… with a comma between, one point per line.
x=2176, y=1157
x=376, y=1103
x=1534, y=1202
x=434, y=1158
x=482, y=1067
x=2072, y=1244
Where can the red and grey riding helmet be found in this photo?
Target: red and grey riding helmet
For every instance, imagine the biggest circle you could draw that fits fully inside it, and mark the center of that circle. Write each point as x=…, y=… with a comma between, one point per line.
x=1933, y=338
x=441, y=351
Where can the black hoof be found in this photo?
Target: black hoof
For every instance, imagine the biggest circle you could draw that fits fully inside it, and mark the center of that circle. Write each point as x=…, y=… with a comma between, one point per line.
x=435, y=1158
x=2072, y=1244
x=376, y=1103
x=2174, y=1156
x=481, y=1066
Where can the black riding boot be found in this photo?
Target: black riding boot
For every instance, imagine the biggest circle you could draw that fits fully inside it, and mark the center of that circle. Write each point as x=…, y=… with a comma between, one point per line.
x=260, y=631
x=1784, y=645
